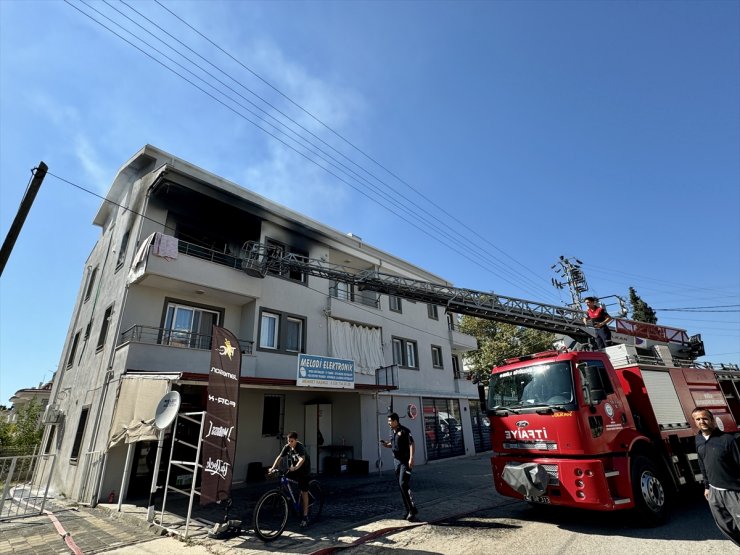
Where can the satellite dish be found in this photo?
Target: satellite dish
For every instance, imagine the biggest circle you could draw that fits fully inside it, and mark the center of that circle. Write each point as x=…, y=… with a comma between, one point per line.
x=167, y=409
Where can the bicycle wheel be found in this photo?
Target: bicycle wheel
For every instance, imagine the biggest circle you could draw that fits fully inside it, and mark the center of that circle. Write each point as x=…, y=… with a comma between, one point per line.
x=315, y=499
x=270, y=515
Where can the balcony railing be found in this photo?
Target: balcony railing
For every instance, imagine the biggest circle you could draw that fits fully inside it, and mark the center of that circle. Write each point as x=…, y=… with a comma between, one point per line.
x=204, y=253
x=175, y=338
x=367, y=298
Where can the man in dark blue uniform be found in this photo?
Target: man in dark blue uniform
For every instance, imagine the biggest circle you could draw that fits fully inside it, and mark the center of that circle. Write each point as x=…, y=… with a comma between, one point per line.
x=719, y=460
x=402, y=443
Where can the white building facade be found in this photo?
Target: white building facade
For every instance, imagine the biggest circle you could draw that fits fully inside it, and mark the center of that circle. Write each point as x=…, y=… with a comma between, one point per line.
x=169, y=264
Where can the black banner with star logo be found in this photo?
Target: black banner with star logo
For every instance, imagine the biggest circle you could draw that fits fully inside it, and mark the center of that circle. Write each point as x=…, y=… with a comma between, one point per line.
x=219, y=427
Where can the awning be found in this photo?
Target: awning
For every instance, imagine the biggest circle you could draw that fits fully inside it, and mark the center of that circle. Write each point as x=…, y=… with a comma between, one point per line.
x=138, y=396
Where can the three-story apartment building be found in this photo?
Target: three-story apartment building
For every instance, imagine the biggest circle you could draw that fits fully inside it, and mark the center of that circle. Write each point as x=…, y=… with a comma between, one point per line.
x=170, y=262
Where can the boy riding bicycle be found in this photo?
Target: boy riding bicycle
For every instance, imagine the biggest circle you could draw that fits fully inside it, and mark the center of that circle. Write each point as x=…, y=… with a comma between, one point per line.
x=299, y=468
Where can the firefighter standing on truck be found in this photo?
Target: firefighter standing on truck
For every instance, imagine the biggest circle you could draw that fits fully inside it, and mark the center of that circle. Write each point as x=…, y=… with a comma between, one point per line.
x=600, y=319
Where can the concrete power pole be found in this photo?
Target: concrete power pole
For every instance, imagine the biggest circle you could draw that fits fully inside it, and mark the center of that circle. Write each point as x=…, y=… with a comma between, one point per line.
x=570, y=269
x=38, y=177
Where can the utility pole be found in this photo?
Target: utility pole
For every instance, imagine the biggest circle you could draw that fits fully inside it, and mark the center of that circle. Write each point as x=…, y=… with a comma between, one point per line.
x=570, y=269
x=38, y=177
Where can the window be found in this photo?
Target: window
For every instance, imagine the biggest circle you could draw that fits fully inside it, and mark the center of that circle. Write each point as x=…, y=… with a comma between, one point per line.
x=275, y=248
x=80, y=434
x=294, y=334
x=394, y=303
x=189, y=326
x=73, y=350
x=50, y=440
x=455, y=367
x=599, y=377
x=432, y=311
x=398, y=352
x=273, y=414
x=404, y=353
x=88, y=328
x=437, y=357
x=104, y=327
x=269, y=328
x=90, y=284
x=341, y=290
x=122, y=250
x=411, y=354
x=282, y=332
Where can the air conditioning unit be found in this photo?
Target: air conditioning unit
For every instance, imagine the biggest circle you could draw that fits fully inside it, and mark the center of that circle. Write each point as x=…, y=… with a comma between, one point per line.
x=52, y=415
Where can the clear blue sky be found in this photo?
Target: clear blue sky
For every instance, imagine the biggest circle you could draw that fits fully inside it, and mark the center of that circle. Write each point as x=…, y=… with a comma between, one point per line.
x=608, y=131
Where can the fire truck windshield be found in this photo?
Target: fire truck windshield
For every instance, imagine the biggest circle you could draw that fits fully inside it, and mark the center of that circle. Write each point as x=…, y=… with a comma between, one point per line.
x=533, y=386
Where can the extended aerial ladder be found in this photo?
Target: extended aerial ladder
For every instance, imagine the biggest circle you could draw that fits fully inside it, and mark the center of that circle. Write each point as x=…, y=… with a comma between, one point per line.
x=259, y=259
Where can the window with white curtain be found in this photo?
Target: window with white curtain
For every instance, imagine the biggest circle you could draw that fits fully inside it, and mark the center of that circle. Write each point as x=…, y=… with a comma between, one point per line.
x=269, y=329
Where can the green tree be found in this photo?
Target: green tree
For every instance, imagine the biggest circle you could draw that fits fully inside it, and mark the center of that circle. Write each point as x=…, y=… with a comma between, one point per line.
x=6, y=433
x=28, y=430
x=497, y=342
x=641, y=311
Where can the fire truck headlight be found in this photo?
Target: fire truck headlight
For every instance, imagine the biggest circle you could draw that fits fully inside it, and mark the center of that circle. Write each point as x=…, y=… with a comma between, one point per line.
x=589, y=473
x=579, y=472
x=579, y=483
x=580, y=494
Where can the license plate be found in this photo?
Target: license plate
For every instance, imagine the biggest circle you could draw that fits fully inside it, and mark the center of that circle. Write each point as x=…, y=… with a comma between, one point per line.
x=544, y=499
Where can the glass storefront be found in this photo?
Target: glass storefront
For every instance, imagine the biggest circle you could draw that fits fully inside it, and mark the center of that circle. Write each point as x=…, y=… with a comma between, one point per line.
x=481, y=427
x=442, y=428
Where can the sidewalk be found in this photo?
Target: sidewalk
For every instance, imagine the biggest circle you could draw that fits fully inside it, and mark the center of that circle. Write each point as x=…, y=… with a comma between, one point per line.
x=354, y=507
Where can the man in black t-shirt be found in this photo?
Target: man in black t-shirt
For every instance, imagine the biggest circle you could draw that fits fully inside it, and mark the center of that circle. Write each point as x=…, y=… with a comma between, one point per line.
x=719, y=461
x=402, y=443
x=299, y=468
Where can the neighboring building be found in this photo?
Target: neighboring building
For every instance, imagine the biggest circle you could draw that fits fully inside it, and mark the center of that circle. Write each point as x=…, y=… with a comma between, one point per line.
x=23, y=397
x=168, y=265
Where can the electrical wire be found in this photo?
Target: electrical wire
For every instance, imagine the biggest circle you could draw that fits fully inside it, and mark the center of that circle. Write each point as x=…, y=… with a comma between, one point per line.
x=433, y=227
x=374, y=314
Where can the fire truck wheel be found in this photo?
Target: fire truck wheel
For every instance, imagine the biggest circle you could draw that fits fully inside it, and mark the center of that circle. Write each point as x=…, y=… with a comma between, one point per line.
x=651, y=503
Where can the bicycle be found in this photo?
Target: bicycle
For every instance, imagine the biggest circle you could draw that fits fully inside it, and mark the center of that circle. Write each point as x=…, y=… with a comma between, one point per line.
x=271, y=511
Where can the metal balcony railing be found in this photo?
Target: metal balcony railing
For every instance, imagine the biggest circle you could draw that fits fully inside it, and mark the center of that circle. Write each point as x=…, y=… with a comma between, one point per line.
x=367, y=298
x=204, y=253
x=175, y=338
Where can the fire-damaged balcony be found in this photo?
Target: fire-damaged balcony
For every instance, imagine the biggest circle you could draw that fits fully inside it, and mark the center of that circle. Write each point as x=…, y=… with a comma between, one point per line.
x=152, y=349
x=188, y=266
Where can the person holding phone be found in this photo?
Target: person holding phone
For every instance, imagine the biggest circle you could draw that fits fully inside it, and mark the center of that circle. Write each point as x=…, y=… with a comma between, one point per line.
x=402, y=443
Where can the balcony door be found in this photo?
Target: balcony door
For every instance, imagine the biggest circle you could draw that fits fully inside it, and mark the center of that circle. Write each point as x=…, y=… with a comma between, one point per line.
x=188, y=326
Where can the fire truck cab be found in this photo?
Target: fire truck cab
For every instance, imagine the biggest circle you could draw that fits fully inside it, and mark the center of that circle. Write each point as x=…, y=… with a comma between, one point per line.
x=603, y=430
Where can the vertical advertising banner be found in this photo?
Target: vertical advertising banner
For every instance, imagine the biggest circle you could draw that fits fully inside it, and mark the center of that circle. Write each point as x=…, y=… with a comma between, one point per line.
x=219, y=430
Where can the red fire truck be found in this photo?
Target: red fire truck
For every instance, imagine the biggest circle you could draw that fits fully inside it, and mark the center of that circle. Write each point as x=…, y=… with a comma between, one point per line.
x=605, y=430
x=602, y=430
